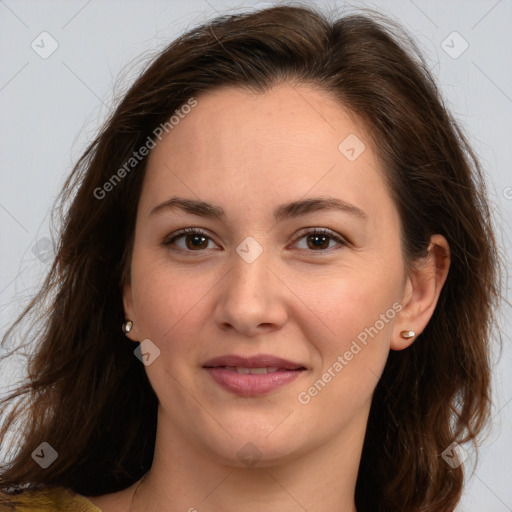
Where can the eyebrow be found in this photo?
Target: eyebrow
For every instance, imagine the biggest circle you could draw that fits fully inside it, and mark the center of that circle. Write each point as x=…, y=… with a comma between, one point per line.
x=282, y=212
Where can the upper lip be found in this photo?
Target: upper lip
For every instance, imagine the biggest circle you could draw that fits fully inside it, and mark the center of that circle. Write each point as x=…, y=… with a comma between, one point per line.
x=258, y=361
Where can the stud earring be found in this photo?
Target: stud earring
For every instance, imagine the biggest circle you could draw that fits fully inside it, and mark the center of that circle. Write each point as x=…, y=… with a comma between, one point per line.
x=407, y=334
x=127, y=326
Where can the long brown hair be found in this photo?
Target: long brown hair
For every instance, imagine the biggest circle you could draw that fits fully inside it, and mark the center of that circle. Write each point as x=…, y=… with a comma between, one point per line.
x=89, y=397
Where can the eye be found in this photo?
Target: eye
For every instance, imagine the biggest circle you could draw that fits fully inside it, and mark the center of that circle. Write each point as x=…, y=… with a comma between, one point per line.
x=197, y=240
x=320, y=240
x=190, y=239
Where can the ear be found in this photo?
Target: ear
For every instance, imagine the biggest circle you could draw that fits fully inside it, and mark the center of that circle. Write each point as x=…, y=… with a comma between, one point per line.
x=129, y=313
x=421, y=292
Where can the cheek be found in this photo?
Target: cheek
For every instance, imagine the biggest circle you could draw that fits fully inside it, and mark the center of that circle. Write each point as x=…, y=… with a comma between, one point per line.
x=170, y=302
x=344, y=304
x=349, y=349
x=171, y=311
x=349, y=327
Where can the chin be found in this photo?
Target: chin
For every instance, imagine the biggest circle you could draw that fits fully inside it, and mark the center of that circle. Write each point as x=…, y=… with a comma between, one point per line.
x=252, y=445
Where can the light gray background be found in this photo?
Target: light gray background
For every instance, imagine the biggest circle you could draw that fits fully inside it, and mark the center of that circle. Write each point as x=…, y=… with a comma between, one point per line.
x=50, y=108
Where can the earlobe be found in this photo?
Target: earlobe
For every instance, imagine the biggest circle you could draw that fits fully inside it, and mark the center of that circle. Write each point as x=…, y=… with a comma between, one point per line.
x=129, y=323
x=421, y=293
x=127, y=326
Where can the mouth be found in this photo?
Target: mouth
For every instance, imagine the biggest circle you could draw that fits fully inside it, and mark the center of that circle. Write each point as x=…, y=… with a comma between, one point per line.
x=252, y=376
x=254, y=371
x=257, y=362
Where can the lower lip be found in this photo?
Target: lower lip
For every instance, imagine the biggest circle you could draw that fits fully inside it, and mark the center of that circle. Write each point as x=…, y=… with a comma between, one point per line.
x=252, y=385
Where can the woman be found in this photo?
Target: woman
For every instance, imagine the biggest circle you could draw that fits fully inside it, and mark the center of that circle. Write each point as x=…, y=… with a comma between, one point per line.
x=287, y=222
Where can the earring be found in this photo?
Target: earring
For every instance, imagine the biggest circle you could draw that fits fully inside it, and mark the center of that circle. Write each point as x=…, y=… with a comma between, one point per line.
x=407, y=334
x=127, y=326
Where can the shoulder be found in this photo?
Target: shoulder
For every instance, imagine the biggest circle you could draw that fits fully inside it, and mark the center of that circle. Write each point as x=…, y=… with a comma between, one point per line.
x=56, y=499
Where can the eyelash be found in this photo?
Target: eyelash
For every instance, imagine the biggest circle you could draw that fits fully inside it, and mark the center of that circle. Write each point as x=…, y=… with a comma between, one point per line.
x=312, y=232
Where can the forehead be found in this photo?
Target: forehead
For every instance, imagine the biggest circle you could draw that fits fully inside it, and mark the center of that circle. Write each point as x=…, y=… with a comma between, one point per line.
x=297, y=120
x=289, y=141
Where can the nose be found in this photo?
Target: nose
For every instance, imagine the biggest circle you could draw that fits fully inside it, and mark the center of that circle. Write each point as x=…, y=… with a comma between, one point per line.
x=251, y=298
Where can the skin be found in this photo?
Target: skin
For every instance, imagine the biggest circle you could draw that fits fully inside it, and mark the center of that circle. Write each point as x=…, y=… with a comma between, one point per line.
x=249, y=153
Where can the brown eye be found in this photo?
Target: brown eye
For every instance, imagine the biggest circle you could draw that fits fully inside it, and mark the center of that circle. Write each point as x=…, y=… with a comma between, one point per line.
x=190, y=240
x=196, y=242
x=319, y=240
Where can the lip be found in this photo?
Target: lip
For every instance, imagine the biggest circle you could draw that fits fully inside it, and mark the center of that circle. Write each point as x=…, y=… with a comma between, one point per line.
x=257, y=361
x=252, y=384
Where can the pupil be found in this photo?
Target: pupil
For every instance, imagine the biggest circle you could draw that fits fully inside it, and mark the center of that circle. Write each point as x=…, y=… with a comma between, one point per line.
x=195, y=241
x=318, y=241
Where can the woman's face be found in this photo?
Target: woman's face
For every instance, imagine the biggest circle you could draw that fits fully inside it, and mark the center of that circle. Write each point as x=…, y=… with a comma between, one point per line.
x=271, y=321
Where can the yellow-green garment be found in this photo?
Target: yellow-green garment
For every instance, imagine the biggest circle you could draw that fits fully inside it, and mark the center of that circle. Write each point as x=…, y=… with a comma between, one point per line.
x=47, y=500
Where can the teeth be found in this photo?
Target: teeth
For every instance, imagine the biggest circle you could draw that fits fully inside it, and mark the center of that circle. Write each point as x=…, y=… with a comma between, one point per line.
x=252, y=371
x=255, y=371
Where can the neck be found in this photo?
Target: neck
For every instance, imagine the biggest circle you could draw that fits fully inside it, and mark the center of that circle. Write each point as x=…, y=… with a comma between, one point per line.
x=184, y=477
